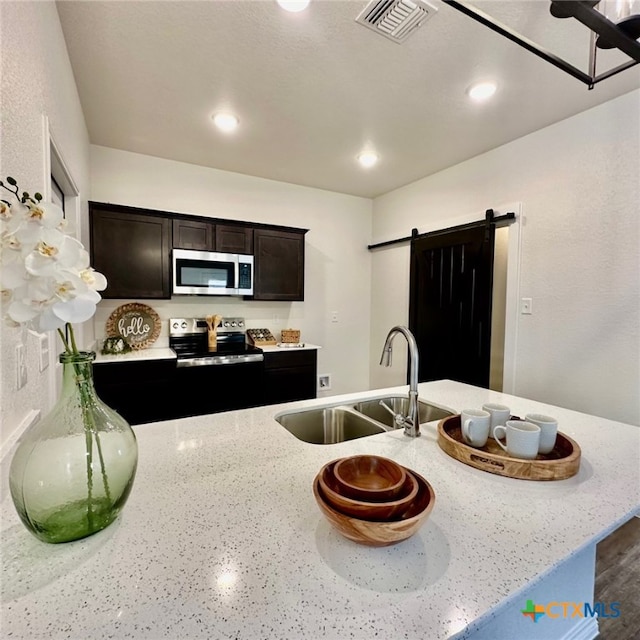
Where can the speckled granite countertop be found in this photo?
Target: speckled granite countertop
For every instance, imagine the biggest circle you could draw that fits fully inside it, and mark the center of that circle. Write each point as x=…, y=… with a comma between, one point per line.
x=221, y=537
x=306, y=346
x=160, y=353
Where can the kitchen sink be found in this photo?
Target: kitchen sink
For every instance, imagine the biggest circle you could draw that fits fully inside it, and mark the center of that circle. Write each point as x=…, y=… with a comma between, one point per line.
x=427, y=412
x=328, y=425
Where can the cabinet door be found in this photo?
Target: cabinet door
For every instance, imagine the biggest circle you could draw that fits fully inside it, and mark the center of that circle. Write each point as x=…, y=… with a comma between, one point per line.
x=234, y=239
x=194, y=234
x=279, y=265
x=132, y=251
x=139, y=391
x=290, y=376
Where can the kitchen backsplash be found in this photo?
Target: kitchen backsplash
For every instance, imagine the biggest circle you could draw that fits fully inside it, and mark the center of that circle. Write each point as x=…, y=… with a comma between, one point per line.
x=271, y=315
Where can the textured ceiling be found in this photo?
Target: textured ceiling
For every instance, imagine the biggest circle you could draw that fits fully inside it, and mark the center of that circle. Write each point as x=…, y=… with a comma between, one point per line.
x=313, y=89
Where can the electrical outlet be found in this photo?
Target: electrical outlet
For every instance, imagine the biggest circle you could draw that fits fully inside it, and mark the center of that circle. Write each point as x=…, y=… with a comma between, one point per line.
x=43, y=341
x=334, y=316
x=324, y=382
x=21, y=367
x=526, y=306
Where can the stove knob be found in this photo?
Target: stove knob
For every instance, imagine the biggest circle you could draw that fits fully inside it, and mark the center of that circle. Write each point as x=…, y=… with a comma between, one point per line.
x=226, y=324
x=233, y=324
x=240, y=323
x=184, y=324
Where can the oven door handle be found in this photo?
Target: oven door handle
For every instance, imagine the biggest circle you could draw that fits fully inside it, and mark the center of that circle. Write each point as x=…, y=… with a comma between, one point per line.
x=219, y=360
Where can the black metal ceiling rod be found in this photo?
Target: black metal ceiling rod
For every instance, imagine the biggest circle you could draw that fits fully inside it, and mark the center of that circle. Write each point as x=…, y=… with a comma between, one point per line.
x=556, y=61
x=489, y=219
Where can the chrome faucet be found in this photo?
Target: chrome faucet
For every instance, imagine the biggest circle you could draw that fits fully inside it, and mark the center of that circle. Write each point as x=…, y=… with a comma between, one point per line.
x=410, y=422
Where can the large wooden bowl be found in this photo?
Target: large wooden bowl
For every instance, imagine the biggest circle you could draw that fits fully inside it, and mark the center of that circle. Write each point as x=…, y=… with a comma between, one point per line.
x=381, y=534
x=370, y=478
x=332, y=492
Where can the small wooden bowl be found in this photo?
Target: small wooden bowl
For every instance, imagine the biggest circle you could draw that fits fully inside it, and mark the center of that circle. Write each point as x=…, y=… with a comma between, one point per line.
x=380, y=534
x=370, y=478
x=363, y=509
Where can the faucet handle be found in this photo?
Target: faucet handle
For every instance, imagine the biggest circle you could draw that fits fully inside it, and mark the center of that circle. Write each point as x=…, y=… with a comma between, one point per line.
x=398, y=418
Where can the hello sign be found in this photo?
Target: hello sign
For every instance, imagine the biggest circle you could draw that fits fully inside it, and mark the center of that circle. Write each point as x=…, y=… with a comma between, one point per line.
x=137, y=323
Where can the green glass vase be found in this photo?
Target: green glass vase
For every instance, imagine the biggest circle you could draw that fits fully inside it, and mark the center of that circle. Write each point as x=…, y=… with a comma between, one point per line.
x=72, y=471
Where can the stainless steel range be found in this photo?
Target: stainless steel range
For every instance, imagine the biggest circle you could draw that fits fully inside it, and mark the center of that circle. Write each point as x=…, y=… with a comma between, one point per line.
x=188, y=338
x=201, y=385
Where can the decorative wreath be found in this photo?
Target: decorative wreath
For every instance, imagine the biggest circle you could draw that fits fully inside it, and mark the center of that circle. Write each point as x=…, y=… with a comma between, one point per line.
x=137, y=323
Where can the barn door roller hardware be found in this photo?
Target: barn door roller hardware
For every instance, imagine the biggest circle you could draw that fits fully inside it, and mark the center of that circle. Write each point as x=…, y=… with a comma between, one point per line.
x=489, y=220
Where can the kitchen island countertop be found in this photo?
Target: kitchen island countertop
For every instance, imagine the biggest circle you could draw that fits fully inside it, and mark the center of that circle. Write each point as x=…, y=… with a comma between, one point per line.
x=221, y=538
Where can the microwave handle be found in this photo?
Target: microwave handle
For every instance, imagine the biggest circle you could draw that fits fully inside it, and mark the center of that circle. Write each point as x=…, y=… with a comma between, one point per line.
x=236, y=273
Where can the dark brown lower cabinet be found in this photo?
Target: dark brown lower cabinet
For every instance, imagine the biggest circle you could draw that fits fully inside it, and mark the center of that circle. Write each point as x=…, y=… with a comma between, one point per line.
x=154, y=390
x=140, y=391
x=290, y=375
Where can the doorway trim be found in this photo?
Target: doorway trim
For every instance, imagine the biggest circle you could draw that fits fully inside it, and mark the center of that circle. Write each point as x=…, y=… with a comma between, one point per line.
x=512, y=299
x=54, y=166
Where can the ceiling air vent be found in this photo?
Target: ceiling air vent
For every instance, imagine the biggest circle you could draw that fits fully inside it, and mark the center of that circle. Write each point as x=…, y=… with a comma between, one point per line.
x=395, y=19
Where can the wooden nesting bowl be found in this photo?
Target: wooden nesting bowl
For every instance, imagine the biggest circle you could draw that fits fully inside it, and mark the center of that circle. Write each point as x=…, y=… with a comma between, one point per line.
x=370, y=478
x=363, y=509
x=380, y=534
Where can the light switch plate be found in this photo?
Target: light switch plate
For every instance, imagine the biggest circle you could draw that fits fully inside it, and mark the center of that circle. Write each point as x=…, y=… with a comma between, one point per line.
x=21, y=367
x=43, y=341
x=526, y=306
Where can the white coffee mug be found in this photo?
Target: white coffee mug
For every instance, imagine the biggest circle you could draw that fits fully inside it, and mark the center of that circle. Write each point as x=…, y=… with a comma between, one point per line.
x=499, y=415
x=548, y=430
x=475, y=425
x=522, y=438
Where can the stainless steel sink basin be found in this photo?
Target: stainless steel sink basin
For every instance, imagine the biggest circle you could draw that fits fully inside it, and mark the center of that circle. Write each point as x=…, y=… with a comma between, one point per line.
x=400, y=404
x=328, y=425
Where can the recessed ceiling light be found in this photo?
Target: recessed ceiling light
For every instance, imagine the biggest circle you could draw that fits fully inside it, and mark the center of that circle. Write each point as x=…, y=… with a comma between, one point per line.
x=294, y=5
x=367, y=159
x=481, y=91
x=225, y=121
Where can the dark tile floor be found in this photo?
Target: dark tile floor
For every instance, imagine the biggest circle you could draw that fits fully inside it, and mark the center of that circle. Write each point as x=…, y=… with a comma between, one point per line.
x=618, y=580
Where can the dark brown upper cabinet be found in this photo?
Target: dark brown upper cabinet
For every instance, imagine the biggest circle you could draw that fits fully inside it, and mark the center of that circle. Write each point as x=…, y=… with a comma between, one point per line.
x=204, y=235
x=234, y=238
x=279, y=264
x=132, y=248
x=198, y=235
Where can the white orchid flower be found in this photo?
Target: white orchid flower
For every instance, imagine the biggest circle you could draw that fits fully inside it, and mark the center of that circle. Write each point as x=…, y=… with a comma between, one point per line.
x=78, y=309
x=46, y=279
x=52, y=251
x=13, y=275
x=5, y=211
x=47, y=214
x=94, y=279
x=23, y=312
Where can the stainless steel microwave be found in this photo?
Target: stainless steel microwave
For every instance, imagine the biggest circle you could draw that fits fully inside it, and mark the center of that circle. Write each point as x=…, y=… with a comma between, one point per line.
x=207, y=273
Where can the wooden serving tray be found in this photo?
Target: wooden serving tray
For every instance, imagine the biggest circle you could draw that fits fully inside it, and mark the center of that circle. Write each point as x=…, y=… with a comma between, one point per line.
x=561, y=463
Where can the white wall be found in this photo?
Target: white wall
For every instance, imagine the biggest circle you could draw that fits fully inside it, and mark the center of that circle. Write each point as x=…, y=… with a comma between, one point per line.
x=579, y=185
x=36, y=81
x=337, y=277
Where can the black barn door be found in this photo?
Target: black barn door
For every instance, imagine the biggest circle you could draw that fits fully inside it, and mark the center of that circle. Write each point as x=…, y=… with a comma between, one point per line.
x=450, y=304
